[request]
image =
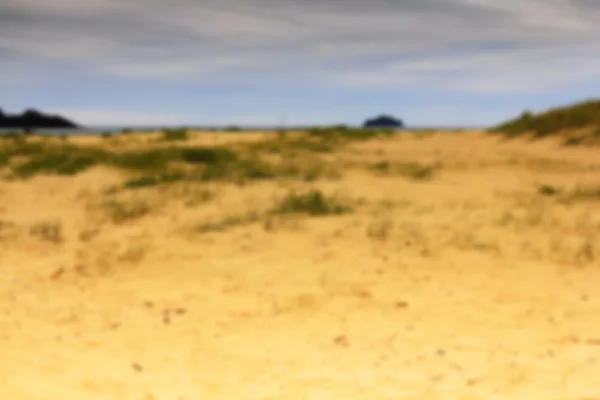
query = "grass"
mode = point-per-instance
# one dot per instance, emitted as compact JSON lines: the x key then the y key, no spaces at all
{"x":89,"y":233}
{"x":157,"y":165}
{"x":413,"y":171}
{"x":585,"y":193}
{"x":341,"y":133}
{"x":228,"y":222}
{"x":287,"y":145}
{"x":120,"y":211}
{"x":4,"y":158}
{"x":576,"y":116}
{"x":62,"y":160}
{"x":175,"y":134}
{"x":149,"y":180}
{"x":579,"y":193}
{"x":379,"y":230}
{"x":145,"y":160}
{"x":313,"y":203}
{"x":49,"y":231}
{"x":548,"y":190}
{"x":207,"y":155}
{"x":199,"y":197}
{"x":70,"y":159}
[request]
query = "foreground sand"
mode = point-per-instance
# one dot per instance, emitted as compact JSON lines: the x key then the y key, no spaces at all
{"x":467,"y":286}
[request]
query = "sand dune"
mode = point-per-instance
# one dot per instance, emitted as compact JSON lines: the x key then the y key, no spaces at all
{"x":469,"y":285}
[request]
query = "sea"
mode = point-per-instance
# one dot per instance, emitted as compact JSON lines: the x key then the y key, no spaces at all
{"x":95,"y":130}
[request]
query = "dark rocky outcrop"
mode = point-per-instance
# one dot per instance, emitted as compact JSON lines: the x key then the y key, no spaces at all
{"x":32,"y":119}
{"x":383,"y":121}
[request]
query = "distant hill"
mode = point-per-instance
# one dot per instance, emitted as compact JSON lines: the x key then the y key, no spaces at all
{"x":578,"y":123}
{"x":32,"y":119}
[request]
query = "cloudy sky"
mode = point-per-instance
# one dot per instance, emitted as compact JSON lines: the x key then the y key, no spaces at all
{"x":430,"y":62}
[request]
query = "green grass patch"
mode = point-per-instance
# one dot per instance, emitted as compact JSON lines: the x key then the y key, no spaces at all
{"x":180,"y":134}
{"x":146,"y":160}
{"x":548,"y":190}
{"x":162,"y":164}
{"x":285,"y":146}
{"x":344,"y":133}
{"x":580,"y":115}
{"x":313,"y":203}
{"x":63,"y":160}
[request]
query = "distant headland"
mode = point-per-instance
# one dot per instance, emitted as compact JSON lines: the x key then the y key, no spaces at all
{"x":32,"y":119}
{"x":383,"y":121}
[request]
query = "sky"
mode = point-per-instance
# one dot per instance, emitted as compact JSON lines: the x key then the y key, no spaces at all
{"x":296,"y":62}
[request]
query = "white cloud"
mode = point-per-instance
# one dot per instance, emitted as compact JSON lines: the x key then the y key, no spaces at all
{"x":513,"y":70}
{"x":375,"y":42}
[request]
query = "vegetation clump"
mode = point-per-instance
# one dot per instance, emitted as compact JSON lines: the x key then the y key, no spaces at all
{"x":583,"y":115}
{"x":313,"y":203}
{"x":175,"y":134}
{"x":342,"y":133}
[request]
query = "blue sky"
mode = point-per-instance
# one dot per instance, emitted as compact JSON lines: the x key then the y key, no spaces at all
{"x":261,"y":62}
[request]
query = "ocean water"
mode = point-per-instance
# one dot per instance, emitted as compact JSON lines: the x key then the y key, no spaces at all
{"x":117,"y":129}
{"x":150,"y":128}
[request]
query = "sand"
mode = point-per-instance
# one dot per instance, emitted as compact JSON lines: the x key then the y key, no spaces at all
{"x":470,"y":285}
